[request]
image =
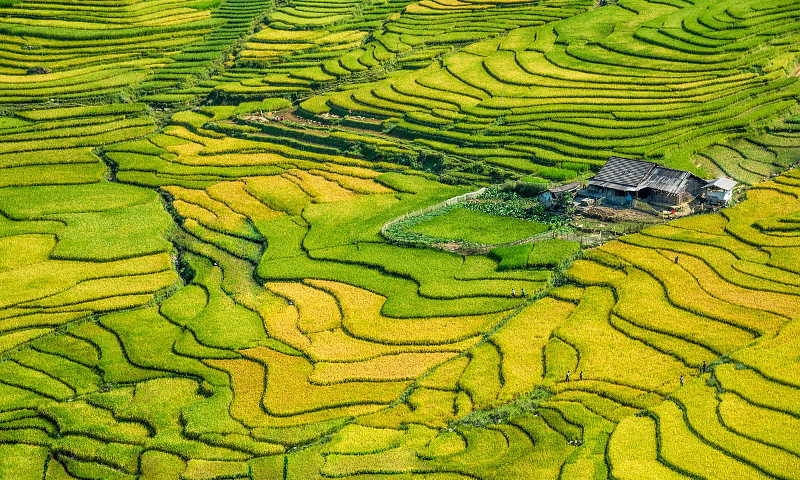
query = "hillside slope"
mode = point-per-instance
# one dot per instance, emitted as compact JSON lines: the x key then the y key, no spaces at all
{"x":205,"y":293}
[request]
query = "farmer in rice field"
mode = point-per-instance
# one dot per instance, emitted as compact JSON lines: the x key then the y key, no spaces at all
{"x":566,"y":379}
{"x":683,"y":380}
{"x":523,"y":293}
{"x":513,"y":293}
{"x":676,"y":259}
{"x":580,"y":375}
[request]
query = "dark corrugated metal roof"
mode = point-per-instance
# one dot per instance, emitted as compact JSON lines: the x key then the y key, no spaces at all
{"x":666,"y":180}
{"x":622,"y":174}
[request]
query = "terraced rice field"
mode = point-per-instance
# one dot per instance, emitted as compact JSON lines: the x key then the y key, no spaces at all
{"x":204,"y":293}
{"x":102,"y":50}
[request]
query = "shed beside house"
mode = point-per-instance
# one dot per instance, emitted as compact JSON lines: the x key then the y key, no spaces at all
{"x":552,"y":196}
{"x":719,"y":191}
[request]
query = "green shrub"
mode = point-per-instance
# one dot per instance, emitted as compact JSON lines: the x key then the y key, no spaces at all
{"x":525,"y":188}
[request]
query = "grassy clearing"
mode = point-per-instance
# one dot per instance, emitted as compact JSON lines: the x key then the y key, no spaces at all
{"x":466,"y":225}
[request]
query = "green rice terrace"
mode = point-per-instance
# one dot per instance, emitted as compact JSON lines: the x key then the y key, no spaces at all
{"x":301,"y":239}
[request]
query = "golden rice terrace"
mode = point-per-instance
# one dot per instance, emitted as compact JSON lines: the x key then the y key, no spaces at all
{"x":239,"y":239}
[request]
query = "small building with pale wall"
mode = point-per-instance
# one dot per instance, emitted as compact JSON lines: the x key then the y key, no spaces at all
{"x":719,"y":191}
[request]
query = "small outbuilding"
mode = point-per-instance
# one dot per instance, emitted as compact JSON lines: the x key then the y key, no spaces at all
{"x":554,"y":195}
{"x":719,"y":191}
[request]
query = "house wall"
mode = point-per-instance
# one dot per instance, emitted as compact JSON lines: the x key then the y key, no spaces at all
{"x":719,"y":196}
{"x":609,"y":196}
{"x":616,"y":197}
{"x":656,"y":196}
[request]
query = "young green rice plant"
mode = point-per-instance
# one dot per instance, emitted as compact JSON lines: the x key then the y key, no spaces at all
{"x":522,"y":342}
{"x":482,"y":379}
{"x":78,"y":377}
{"x":361,"y":309}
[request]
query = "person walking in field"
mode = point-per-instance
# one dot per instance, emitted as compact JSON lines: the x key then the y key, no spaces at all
{"x":513,"y":293}
{"x":566,"y":379}
{"x":580,"y":375}
{"x":676,"y":259}
{"x":523,"y":293}
{"x":682,"y":380}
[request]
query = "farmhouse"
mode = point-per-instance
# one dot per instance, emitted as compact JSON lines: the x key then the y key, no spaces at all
{"x":622,"y":180}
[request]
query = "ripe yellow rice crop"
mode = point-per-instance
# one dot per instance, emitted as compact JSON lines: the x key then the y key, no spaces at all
{"x":402,"y":366}
{"x":362,"y":319}
{"x":317,"y":310}
{"x":289,"y":391}
{"x":633,"y":452}
{"x":317,"y":187}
